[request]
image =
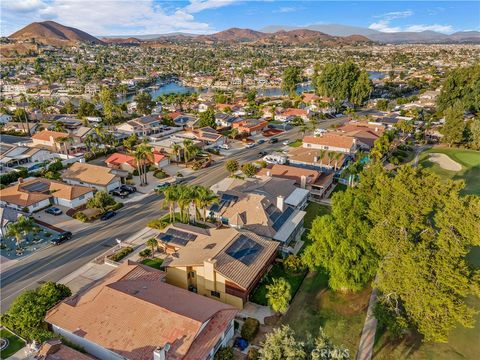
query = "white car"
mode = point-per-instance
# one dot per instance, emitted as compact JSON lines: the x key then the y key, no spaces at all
{"x":224,"y":146}
{"x":249,"y":146}
{"x":286,"y":142}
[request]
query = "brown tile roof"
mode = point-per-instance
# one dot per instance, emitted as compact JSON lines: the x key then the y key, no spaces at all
{"x":90,"y":174}
{"x":45,"y":135}
{"x":290,"y":172}
{"x":330,"y":139}
{"x":308,"y":156}
{"x":55,"y":350}
{"x":133,"y":311}
{"x":212,"y":244}
{"x":20,"y":194}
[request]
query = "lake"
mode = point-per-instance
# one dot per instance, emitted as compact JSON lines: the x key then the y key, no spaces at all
{"x":177,"y":87}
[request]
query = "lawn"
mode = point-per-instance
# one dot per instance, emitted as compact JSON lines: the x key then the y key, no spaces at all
{"x":470,"y":161}
{"x":14,"y":343}
{"x":339,"y":187}
{"x":462,"y":343}
{"x":277,"y":271}
{"x":341,"y":315}
{"x":296,"y":143}
{"x":313,"y":210}
{"x":154,"y":263}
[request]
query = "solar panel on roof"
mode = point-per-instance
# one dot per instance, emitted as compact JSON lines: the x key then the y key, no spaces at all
{"x":182,"y":234}
{"x":245,"y":249}
{"x":225,"y":201}
{"x":177,"y":237}
{"x":282,"y":218}
{"x":36,"y":187}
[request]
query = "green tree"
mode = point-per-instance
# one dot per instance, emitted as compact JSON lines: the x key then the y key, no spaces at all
{"x":143,"y":156}
{"x":280,"y":344}
{"x":362,"y":89}
{"x":475,"y":134}
{"x":107,"y":99}
{"x":232,"y":166}
{"x":291,"y":77}
{"x":454,"y":128}
{"x":279,"y":295}
{"x":461,"y":85}
{"x":27,"y":312}
{"x":144,"y":103}
{"x":130,"y":142}
{"x":152,"y":244}
{"x":101,"y":200}
{"x":19,"y":228}
{"x":323,"y":349}
{"x":207,"y":118}
{"x":249,"y":169}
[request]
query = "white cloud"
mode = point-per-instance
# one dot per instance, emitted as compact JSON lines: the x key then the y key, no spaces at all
{"x":112,"y":17}
{"x":196,"y":6}
{"x":384,"y":24}
{"x":434,"y":27}
{"x":285,"y":9}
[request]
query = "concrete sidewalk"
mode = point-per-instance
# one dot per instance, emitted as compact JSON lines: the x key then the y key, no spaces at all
{"x":93,"y":271}
{"x":367,"y":340}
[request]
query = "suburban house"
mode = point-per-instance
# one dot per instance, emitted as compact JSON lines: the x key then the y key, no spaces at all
{"x":142,"y":126}
{"x":129,"y":163}
{"x":318,"y":183}
{"x":209,"y":136}
{"x":223,"y":264}
{"x":225,"y":120}
{"x":38,"y":193}
{"x":250,"y":126}
{"x":290,"y":114}
{"x":267,"y":206}
{"x":312,"y":158}
{"x":331,"y":141}
{"x":365,"y":134}
{"x":26,"y":128}
{"x":100,"y":177}
{"x":52,"y":140}
{"x":55,"y":350}
{"x":182,"y":120}
{"x":7,"y":216}
{"x":12,"y":156}
{"x":132,"y":313}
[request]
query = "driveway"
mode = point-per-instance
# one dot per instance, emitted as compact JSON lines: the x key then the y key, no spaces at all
{"x":62,"y":221}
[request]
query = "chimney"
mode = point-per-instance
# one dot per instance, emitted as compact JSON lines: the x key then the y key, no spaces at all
{"x":160,"y":353}
{"x":280,"y":202}
{"x":315,"y":159}
{"x":303,"y":181}
{"x":20,"y":180}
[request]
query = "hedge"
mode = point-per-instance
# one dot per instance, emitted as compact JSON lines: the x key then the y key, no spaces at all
{"x":119,"y":255}
{"x":250,"y":329}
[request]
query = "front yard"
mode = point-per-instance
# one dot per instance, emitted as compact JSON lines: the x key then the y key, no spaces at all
{"x":155,"y":263}
{"x":10,"y":343}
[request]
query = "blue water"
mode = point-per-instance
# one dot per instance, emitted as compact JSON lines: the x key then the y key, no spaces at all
{"x":177,"y":87}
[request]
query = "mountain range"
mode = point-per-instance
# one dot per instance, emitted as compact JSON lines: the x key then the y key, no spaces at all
{"x":52,"y":33}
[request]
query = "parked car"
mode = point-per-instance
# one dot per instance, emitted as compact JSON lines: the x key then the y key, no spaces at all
{"x":54,"y":211}
{"x":162,"y":186}
{"x":62,"y":237}
{"x":286,"y":142}
{"x":225,"y":146}
{"x":130,"y":188}
{"x":249,"y":146}
{"x":261,"y":141}
{"x":120,"y":192}
{"x":108,"y":215}
{"x":262,"y":153}
{"x":273,"y":140}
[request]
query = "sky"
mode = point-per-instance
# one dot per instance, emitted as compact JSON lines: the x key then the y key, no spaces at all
{"x":137,"y":17}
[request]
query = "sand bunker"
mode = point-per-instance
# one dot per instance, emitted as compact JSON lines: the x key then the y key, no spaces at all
{"x":445,"y":162}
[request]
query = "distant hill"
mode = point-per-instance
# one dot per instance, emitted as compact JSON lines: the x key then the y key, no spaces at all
{"x":52,"y":33}
{"x":282,"y":37}
{"x":424,"y":37}
{"x":122,"y":41}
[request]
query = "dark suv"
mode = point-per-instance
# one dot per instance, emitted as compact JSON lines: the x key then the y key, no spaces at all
{"x":62,"y":237}
{"x":120,"y":192}
{"x":273,"y":140}
{"x":130,"y":188}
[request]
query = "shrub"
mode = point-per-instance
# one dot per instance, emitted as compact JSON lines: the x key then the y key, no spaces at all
{"x":135,"y":172}
{"x":158,"y":224}
{"x":261,"y":163}
{"x":145,"y":253}
{"x":225,"y":353}
{"x":12,"y":176}
{"x":116,"y":206}
{"x":80,"y":216}
{"x":250,"y":329}
{"x":152,"y":168}
{"x":252,"y":354}
{"x":249,"y":169}
{"x":160,"y":174}
{"x":55,"y":165}
{"x":119,"y":255}
{"x":293,"y":264}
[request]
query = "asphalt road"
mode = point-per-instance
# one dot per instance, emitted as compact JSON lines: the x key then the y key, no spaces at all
{"x":54,"y":263}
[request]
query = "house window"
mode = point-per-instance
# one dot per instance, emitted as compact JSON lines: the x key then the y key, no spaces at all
{"x":81,"y":197}
{"x":35,"y":205}
{"x":215,"y":293}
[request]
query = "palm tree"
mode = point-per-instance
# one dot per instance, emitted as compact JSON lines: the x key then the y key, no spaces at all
{"x":187,"y":146}
{"x":329,"y":157}
{"x":176,"y":150}
{"x":205,"y":197}
{"x":336,"y":156}
{"x":143,"y":154}
{"x":58,"y":126}
{"x":19,"y":228}
{"x":63,"y":141}
{"x":183,"y":201}
{"x":171,"y":197}
{"x":153,"y":244}
{"x":321,"y":155}
{"x":234,"y":133}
